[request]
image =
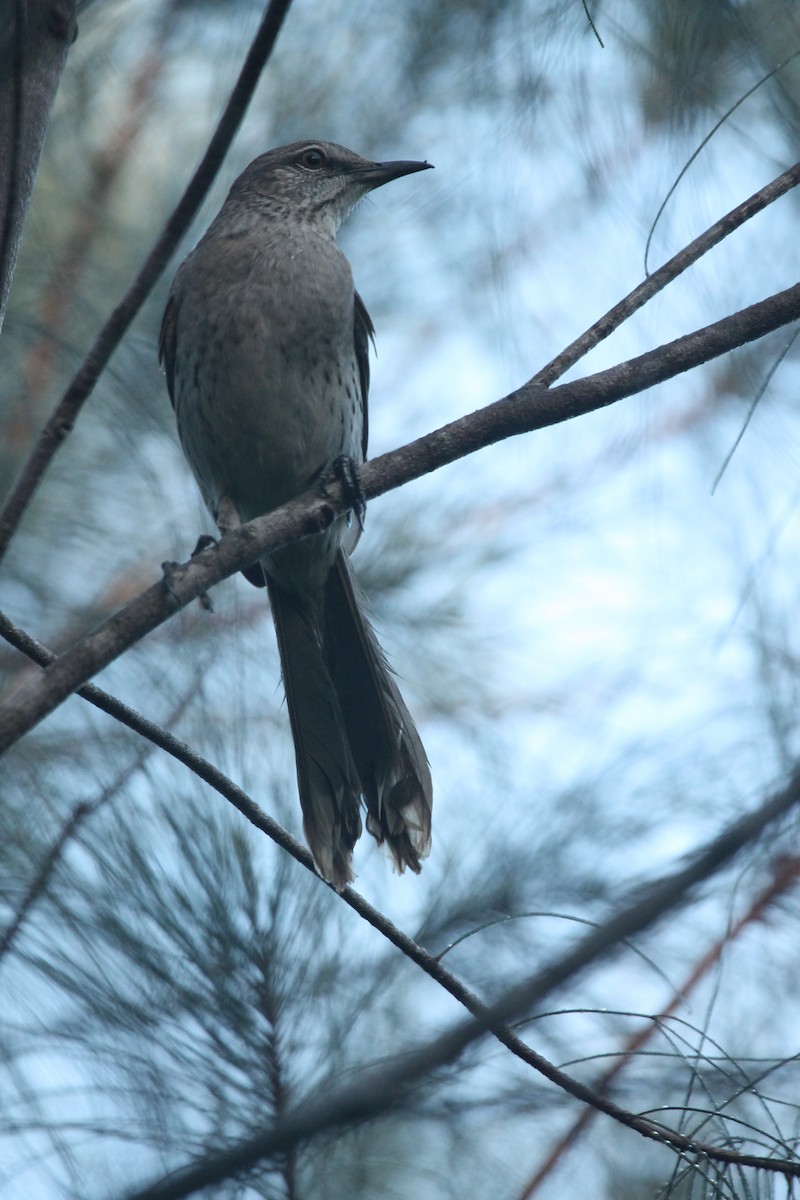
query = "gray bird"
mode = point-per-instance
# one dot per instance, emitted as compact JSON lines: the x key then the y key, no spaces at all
{"x":265,"y":345}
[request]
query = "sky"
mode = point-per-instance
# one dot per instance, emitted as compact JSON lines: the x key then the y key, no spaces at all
{"x":614,"y":636}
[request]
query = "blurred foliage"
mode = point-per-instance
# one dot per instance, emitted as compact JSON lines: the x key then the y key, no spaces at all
{"x":603,"y":660}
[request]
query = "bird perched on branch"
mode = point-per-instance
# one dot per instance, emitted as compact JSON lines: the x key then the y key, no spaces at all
{"x":265,"y":344}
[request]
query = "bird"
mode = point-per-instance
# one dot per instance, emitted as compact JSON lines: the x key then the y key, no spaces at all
{"x":265,"y":346}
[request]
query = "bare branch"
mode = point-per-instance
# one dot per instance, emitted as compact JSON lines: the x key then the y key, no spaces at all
{"x":63,"y":418}
{"x":530,"y":407}
{"x":715,"y":857}
{"x":159,"y":736}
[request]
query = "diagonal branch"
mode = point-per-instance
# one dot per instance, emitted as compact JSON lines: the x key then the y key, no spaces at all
{"x":530,"y":407}
{"x":63,"y":418}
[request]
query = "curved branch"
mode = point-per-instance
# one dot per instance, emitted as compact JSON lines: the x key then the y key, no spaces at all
{"x":712,"y":859}
{"x":531,"y":407}
{"x":786,"y":871}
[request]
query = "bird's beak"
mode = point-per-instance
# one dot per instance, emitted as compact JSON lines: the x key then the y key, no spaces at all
{"x":376,"y":174}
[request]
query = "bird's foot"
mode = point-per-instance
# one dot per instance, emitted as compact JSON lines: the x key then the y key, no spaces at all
{"x":204,"y":542}
{"x":169,"y":570}
{"x":345,"y":471}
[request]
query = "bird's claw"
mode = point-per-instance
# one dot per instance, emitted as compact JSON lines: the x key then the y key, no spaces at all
{"x":204,"y":542}
{"x":344,"y":469}
{"x":169,"y":570}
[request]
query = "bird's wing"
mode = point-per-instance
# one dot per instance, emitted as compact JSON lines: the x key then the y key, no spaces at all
{"x":364,"y":332}
{"x":166,"y":344}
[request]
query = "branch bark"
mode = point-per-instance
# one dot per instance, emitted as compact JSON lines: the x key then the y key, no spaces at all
{"x":665,"y":274}
{"x":715,"y":857}
{"x":530,"y":407}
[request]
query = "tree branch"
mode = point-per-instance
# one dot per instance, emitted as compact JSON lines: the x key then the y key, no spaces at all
{"x":63,"y":418}
{"x":530,"y":407}
{"x":746,"y":830}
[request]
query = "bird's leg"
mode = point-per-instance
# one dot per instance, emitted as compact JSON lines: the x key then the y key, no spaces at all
{"x":345,"y":471}
{"x":227,"y":518}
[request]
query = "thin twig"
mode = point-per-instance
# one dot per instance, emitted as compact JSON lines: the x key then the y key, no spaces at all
{"x":670,"y":270}
{"x":751,"y":410}
{"x":714,"y":129}
{"x":63,"y":418}
{"x":785,"y":876}
{"x":592,"y":25}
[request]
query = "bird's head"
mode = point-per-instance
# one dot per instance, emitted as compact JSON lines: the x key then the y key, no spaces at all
{"x":316,"y":182}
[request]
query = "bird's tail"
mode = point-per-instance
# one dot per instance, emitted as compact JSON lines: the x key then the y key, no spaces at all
{"x":385,"y":746}
{"x":326,"y":775}
{"x":352,"y":732}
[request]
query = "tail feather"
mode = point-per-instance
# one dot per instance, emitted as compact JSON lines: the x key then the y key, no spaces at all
{"x":384,"y":743}
{"x":326,"y":774}
{"x":353,"y":734}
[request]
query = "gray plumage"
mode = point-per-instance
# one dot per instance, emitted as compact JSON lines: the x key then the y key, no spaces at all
{"x":265,"y":345}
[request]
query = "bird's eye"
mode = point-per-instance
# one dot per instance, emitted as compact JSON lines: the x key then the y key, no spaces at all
{"x":312,"y":158}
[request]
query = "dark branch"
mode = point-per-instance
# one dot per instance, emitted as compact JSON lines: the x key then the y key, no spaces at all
{"x":530,"y":407}
{"x":427,"y":962}
{"x":751,"y":828}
